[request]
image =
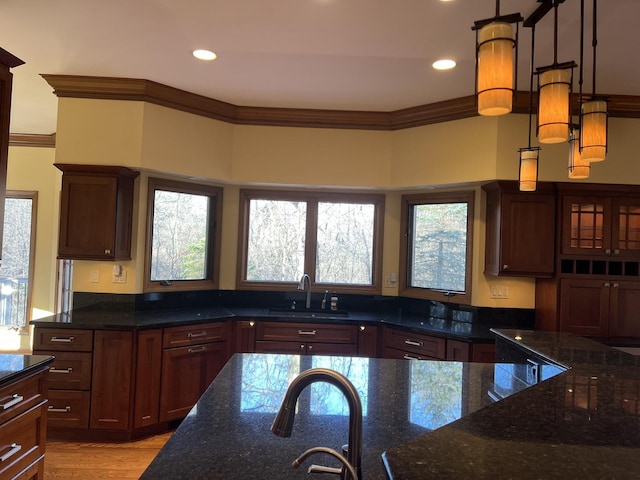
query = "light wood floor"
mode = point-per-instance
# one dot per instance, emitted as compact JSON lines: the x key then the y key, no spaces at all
{"x":88,"y":461}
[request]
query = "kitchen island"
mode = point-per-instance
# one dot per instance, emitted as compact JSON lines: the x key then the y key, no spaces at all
{"x":227,"y":434}
{"x":426,"y":419}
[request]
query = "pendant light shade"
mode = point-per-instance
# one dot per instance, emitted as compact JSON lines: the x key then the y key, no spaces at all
{"x":528,"y":178}
{"x":579,"y":168}
{"x":495,"y":57}
{"x":593,"y":139}
{"x":554,"y":89}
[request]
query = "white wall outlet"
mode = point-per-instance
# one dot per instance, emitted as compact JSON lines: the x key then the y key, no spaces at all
{"x":390,"y":279}
{"x":119,"y":274}
{"x":94,"y":277}
{"x":499,"y":291}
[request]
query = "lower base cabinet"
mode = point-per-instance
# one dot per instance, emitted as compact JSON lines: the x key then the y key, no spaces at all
{"x":23,"y":427}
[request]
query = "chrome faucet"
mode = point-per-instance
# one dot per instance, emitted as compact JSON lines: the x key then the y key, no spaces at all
{"x":283,"y":423}
{"x":306,"y":278}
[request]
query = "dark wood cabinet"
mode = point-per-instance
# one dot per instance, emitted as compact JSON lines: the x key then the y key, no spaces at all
{"x":306,"y":338}
{"x":23,"y":427}
{"x":7,"y":61}
{"x":192,"y":357}
{"x":521,"y":236}
{"x":148,"y":368}
{"x":412,"y":345}
{"x":96,"y":212}
{"x":111,"y":380}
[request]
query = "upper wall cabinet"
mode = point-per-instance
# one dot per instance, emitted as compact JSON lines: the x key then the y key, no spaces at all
{"x":601,"y":223}
{"x":520,"y":230}
{"x":96,"y":212}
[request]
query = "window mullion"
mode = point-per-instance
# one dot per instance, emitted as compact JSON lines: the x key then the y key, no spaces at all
{"x":311,"y":240}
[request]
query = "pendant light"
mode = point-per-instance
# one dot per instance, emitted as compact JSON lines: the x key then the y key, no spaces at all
{"x":528,"y":174}
{"x":554,"y":93}
{"x":495,"y":62}
{"x":593,"y":113}
{"x":579,"y":168}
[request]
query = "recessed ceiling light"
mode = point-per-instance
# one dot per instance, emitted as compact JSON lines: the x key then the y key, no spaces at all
{"x":444,"y":64}
{"x":204,"y":55}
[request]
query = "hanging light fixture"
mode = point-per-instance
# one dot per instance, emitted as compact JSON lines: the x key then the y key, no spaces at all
{"x":579,"y":168}
{"x":528,"y":175}
{"x":594,"y":118}
{"x":495,"y":64}
{"x":554,"y":93}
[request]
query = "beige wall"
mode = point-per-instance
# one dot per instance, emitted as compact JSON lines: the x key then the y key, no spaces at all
{"x":162,"y":141}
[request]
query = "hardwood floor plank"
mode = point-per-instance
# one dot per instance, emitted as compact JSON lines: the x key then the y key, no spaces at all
{"x":86,"y":461}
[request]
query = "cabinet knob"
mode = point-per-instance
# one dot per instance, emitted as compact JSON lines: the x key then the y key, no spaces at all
{"x":362,"y":328}
{"x":616,"y":251}
{"x":607,"y":251}
{"x":107,"y":252}
{"x":616,"y":284}
{"x":505,"y":267}
{"x":607,"y":284}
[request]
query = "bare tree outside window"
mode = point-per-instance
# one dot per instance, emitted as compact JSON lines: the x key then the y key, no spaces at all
{"x":19,"y":229}
{"x":345,"y":243}
{"x":183,"y":241}
{"x":276,"y":240}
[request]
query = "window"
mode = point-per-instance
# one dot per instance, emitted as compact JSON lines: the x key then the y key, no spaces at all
{"x":436,"y":249}
{"x":335,"y":238}
{"x":17,"y":259}
{"x":183,"y":241}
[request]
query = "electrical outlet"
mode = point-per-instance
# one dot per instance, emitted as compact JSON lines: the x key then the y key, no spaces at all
{"x":121,"y":278}
{"x":499,"y":291}
{"x":94,"y":276}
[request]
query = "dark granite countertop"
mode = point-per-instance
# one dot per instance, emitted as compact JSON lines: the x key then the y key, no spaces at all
{"x":114,"y":317}
{"x":583,"y":423}
{"x":15,"y":366}
{"x":227,"y":434}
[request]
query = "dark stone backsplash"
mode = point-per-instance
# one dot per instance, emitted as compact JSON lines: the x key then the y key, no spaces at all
{"x":449,"y":312}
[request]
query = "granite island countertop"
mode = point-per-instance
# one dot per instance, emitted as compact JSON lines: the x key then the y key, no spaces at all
{"x":15,"y":366}
{"x":227,"y":434}
{"x":583,"y":423}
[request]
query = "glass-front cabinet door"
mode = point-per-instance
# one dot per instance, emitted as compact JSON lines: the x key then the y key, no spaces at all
{"x":586,"y":225}
{"x":626,"y":234}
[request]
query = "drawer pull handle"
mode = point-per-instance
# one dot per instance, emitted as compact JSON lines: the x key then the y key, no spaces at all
{"x":15,"y":448}
{"x":62,"y":339}
{"x":195,"y":335}
{"x":197,"y":350}
{"x":61,"y":370}
{"x":15,"y":399}
{"x":410,"y":357}
{"x":66,"y":409}
{"x":413,"y":343}
{"x":307,"y":332}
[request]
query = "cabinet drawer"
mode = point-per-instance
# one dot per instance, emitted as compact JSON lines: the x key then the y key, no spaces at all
{"x":18,"y":397}
{"x":68,"y":409}
{"x":306,"y":332}
{"x":195,"y":334}
{"x":22,"y":441}
{"x":63,"y":339}
{"x":422,"y":345}
{"x":70,"y":371}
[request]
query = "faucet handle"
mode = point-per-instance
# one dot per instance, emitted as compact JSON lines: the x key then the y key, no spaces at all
{"x":322,"y":469}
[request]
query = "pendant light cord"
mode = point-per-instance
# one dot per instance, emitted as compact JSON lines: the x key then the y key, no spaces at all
{"x":594,"y":42}
{"x":533,"y":43}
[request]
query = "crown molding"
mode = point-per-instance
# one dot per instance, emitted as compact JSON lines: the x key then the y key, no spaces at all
{"x":32,"y":140}
{"x":625,"y":106}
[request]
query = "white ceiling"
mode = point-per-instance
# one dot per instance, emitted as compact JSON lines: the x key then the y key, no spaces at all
{"x":328,"y":54}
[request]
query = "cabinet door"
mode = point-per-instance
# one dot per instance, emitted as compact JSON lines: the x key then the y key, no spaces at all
{"x":186,"y":374}
{"x":584,"y":307}
{"x":586,"y":225}
{"x":624,"y":308}
{"x":458,"y":351}
{"x":146,"y":405}
{"x":520,"y":234}
{"x":625,"y":231}
{"x":111,"y":380}
{"x":88,"y":217}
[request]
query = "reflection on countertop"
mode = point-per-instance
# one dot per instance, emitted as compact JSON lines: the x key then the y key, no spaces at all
{"x":227,"y":434}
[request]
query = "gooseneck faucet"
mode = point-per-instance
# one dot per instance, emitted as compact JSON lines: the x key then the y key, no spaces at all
{"x":283,"y":423}
{"x":307,"y":279}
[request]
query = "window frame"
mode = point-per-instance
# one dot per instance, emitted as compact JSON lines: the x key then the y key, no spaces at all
{"x":312,"y":198}
{"x":214,"y":234}
{"x":409,"y":201}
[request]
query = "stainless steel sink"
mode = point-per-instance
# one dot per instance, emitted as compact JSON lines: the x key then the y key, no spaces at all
{"x":308,"y":313}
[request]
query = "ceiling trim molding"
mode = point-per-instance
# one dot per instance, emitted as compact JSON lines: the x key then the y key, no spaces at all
{"x":32,"y":140}
{"x":110,"y":88}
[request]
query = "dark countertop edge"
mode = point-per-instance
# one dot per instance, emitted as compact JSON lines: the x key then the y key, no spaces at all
{"x":506,"y":334}
{"x":153,"y":319}
{"x":40,"y":362}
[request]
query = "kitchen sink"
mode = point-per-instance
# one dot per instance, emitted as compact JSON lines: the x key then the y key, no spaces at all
{"x":308,"y":313}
